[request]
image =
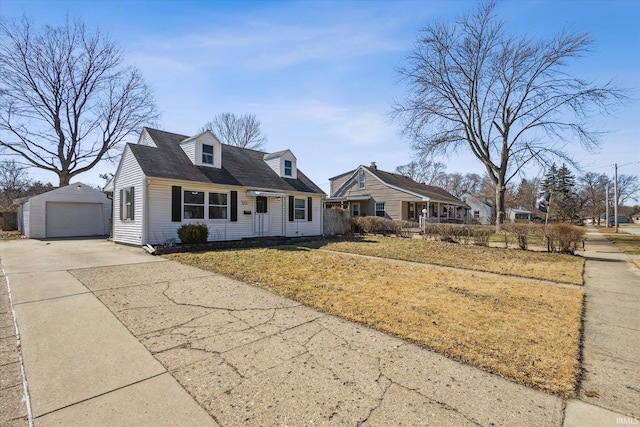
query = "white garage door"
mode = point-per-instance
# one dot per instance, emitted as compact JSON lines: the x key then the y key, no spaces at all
{"x":74,"y":219}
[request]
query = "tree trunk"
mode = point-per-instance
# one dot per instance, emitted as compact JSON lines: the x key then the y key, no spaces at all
{"x":64,"y":177}
{"x":500,"y":213}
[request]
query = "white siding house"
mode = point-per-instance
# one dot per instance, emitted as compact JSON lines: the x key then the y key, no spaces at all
{"x":479,"y":212}
{"x":75,"y":210}
{"x":167,"y":180}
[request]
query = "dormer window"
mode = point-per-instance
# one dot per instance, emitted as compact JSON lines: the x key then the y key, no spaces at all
{"x":203,"y":150}
{"x":283,"y":163}
{"x":207,"y":154}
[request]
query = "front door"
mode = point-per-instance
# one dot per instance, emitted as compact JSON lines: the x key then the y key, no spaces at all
{"x":261,"y":218}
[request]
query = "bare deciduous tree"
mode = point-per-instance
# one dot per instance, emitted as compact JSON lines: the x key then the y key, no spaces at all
{"x":66,"y":97}
{"x":592,"y":191}
{"x":14,"y":180}
{"x":422,"y":170}
{"x":628,"y":188}
{"x":509,"y":100}
{"x":459,"y":184}
{"x":242,"y":131}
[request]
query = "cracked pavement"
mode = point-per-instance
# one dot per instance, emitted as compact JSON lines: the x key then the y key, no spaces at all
{"x":249,"y":357}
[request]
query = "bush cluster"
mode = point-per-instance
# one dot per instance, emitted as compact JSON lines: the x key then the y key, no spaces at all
{"x":521,"y":232}
{"x":379,"y":225}
{"x":563,"y":237}
{"x":193,"y":233}
{"x":461,"y":233}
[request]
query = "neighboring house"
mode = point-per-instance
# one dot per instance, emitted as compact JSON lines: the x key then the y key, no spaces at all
{"x":75,"y":210}
{"x":370,"y":191}
{"x":167,"y":180}
{"x":519,"y":214}
{"x":479,"y":212}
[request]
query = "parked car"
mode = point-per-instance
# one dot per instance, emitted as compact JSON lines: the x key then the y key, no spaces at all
{"x":621,"y":220}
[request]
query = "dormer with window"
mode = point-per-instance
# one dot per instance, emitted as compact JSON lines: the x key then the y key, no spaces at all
{"x":283,"y":163}
{"x":203,"y":150}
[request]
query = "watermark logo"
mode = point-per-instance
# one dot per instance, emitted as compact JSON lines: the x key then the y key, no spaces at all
{"x":626,"y":421}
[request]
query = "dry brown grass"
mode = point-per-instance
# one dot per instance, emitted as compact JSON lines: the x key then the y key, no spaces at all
{"x":626,"y":242}
{"x":536,"y":265}
{"x":526,"y":331}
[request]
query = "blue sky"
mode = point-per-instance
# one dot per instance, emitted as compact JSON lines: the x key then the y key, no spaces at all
{"x":321,"y":75}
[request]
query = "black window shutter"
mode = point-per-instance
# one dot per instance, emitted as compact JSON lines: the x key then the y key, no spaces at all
{"x":309,"y":209}
{"x":176,"y":203}
{"x":121,"y":204}
{"x":132,"y":204}
{"x":234,"y":206}
{"x":291,"y":204}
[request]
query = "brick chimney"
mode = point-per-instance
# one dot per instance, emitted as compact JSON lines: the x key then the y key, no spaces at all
{"x":373,"y":166}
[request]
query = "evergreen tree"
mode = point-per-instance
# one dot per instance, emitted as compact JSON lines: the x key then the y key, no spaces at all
{"x":550,"y":181}
{"x":565,"y":203}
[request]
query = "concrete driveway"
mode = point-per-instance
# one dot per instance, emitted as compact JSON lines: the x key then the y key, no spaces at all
{"x":112,"y":336}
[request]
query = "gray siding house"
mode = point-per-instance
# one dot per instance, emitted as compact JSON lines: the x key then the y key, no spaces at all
{"x":167,"y":180}
{"x":370,"y":191}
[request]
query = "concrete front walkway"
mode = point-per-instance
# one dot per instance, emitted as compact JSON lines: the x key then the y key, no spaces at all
{"x":112,"y":336}
{"x":610,"y":388}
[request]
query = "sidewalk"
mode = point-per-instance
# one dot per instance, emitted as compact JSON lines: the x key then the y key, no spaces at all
{"x":610,"y":389}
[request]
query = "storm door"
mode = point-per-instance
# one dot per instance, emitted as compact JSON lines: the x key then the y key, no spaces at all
{"x":261,"y":218}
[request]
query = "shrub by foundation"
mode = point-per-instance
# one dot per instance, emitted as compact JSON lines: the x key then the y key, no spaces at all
{"x":193,"y":233}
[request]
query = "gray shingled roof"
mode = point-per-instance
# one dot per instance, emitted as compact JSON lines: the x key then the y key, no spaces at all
{"x":240,"y":166}
{"x":400,"y":181}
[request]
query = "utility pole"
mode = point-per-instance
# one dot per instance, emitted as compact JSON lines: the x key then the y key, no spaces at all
{"x":606,"y":214}
{"x":615,"y":196}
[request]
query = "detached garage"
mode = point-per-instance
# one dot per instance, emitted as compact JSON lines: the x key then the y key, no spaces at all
{"x":76,"y":210}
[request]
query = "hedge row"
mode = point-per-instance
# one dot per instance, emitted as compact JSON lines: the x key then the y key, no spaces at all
{"x":561,"y":237}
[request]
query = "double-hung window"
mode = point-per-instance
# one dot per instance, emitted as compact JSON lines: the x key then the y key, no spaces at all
{"x":300,"y":209}
{"x":217,"y":205}
{"x":204,"y":205}
{"x":380,"y":209}
{"x":288,"y":167}
{"x":360,"y":182}
{"x":193,"y":205}
{"x":207,"y":154}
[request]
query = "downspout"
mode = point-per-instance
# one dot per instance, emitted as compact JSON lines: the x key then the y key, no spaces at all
{"x":322,"y":209}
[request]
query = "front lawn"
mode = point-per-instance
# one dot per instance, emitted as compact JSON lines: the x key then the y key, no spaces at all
{"x":536,"y":265}
{"x":526,"y":331}
{"x":626,"y":242}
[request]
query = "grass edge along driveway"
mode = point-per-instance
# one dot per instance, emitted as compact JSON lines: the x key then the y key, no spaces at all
{"x":525,"y":331}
